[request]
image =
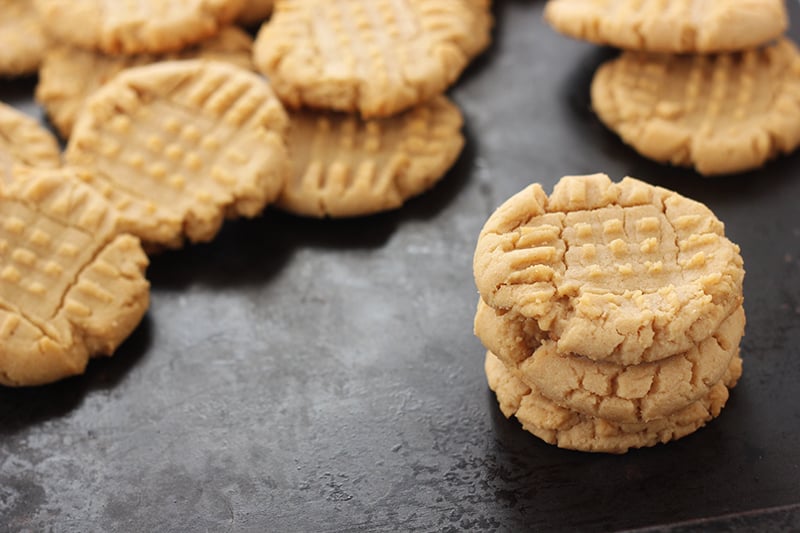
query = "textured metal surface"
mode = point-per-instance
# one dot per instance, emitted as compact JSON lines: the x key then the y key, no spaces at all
{"x":301,"y":375}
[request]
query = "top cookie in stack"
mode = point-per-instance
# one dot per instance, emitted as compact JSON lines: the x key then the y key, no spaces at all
{"x":364,"y":82}
{"x":728,"y":107}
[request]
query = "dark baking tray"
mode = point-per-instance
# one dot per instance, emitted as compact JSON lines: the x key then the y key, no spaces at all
{"x":300,"y":375}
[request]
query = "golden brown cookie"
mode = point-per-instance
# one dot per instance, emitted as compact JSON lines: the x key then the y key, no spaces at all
{"x":347,"y":166}
{"x":568,"y":429}
{"x":144,"y":26}
{"x":636,"y":393}
{"x":71,"y":286}
{"x":22,"y":37}
{"x":177,"y":146}
{"x":619,"y":272}
{"x":721,"y":114}
{"x":23,"y":141}
{"x":69,"y":74}
{"x":670,"y":26}
{"x":255,"y":11}
{"x":378,"y":58}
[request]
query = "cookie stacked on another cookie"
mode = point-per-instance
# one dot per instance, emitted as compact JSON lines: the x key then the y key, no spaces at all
{"x":727,"y":105}
{"x":612,"y":312}
{"x":363,"y":81}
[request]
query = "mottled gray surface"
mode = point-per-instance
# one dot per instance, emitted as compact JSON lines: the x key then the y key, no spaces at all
{"x":301,"y":375}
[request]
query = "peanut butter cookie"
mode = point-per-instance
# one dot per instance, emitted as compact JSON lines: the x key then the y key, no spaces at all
{"x":721,"y":114}
{"x":626,"y":394}
{"x":344,"y":165}
{"x":69,"y":75}
{"x":179,"y":145}
{"x":143,"y":26}
{"x":568,"y":429}
{"x":71,"y":286}
{"x":619,"y":272}
{"x":377,"y":58}
{"x":675,"y":26}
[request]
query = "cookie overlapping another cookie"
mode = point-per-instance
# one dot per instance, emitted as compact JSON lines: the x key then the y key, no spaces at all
{"x":72,"y":285}
{"x":377,"y":58}
{"x":364,"y":84}
{"x":686,"y":26}
{"x":178,"y":146}
{"x":711,"y":85}
{"x":620,"y":302}
{"x":69,"y":75}
{"x":721,"y":114}
{"x":144,"y":26}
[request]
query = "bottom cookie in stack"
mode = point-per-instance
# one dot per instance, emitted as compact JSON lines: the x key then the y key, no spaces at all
{"x":570,"y":429}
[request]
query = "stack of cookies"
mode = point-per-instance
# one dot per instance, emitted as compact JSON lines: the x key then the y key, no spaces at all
{"x":612,"y":312}
{"x":706,"y":84}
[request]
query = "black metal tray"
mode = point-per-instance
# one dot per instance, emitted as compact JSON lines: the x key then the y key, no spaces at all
{"x":300,"y":375}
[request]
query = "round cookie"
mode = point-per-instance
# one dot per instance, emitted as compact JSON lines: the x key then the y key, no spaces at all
{"x":177,"y":146}
{"x":620,"y":272}
{"x":721,"y":114}
{"x":23,"y":141}
{"x":567,"y":429}
{"x":692,"y":26}
{"x":630,"y":394}
{"x":344,"y":165}
{"x":71,"y":286}
{"x":69,"y":74}
{"x":144,"y":26}
{"x":378,"y":58}
{"x":23,"y":38}
{"x":255,"y":11}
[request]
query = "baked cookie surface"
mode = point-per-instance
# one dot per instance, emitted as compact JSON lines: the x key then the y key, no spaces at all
{"x":721,"y":114}
{"x":177,"y":146}
{"x":22,"y":37}
{"x":620,"y":272}
{"x":565,"y":428}
{"x":376,"y":58}
{"x":682,"y":26}
{"x":347,"y":166}
{"x":627,"y":394}
{"x":71,"y":286}
{"x":144,"y":26}
{"x":23,"y":141}
{"x":69,"y":75}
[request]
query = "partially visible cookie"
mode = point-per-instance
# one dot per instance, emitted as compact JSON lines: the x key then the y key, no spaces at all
{"x":568,"y":429}
{"x":620,"y":272}
{"x":659,"y":26}
{"x":144,"y":26}
{"x":377,"y":58}
{"x":71,"y":286}
{"x":347,"y":166}
{"x":721,"y":114}
{"x":255,"y":11}
{"x":177,"y":146}
{"x":629,"y":394}
{"x":23,"y":141}
{"x":69,"y":74}
{"x":22,"y":37}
